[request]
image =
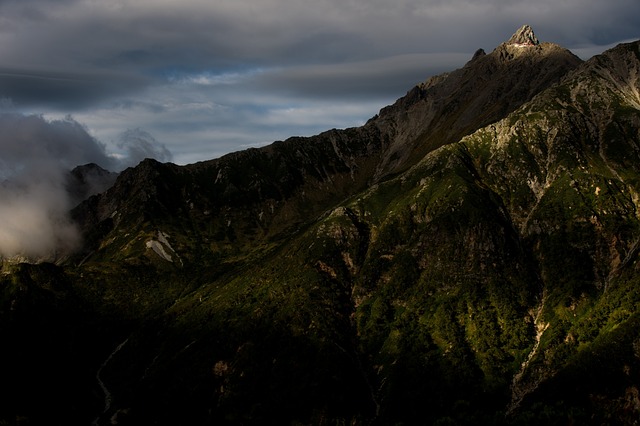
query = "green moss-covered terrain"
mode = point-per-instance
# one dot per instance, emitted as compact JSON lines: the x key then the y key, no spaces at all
{"x":469,"y":256}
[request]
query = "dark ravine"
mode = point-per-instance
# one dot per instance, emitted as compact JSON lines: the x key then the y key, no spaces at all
{"x":469,"y":256}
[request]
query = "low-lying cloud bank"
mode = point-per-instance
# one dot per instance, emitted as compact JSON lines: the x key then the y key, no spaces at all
{"x":36,"y":157}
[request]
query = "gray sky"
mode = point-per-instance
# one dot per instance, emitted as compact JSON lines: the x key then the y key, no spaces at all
{"x":202,"y":78}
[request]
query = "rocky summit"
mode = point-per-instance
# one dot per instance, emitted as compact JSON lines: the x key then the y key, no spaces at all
{"x":524,"y":37}
{"x":468,"y":256}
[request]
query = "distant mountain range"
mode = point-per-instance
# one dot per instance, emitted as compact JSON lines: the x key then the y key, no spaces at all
{"x":468,"y":256}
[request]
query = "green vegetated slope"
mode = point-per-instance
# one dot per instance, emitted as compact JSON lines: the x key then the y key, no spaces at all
{"x":507,"y":262}
{"x":358,"y":277}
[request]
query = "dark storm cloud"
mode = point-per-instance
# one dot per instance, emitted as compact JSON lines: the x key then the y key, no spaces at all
{"x":31,"y":139}
{"x":373,"y":79}
{"x":219,"y":72}
{"x":142,"y":36}
{"x":69,"y":91}
{"x":31,"y":142}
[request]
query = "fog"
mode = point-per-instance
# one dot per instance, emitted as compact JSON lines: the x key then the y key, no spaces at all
{"x":33,"y":216}
{"x":36,"y":156}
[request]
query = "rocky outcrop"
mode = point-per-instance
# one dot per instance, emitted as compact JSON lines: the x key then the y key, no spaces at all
{"x":524,"y":37}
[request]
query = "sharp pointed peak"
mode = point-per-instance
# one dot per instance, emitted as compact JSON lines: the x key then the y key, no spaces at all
{"x":524,"y":37}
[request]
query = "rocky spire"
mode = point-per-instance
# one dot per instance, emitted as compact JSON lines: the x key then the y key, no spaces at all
{"x":524,"y":37}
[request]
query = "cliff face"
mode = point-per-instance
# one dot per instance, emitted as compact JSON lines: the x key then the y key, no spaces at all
{"x":468,"y":256}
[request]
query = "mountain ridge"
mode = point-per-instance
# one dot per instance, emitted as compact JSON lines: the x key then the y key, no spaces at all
{"x":339,"y":163}
{"x":474,"y":246}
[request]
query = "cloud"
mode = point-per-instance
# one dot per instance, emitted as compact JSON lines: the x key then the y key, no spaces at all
{"x":37,"y":155}
{"x":204,"y":115}
{"x":371,"y":79}
{"x":199,"y":74}
{"x":66,"y":90}
{"x":139,"y":144}
{"x":29,"y":140}
{"x":145,"y":37}
{"x":33,"y":216}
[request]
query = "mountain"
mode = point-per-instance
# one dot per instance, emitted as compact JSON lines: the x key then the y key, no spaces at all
{"x":87,"y":180}
{"x":468,"y":256}
{"x":262,"y":193}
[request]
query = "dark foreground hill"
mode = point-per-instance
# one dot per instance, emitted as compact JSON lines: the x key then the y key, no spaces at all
{"x":466,"y":257}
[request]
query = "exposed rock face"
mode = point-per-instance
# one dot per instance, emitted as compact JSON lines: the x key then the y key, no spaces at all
{"x":524,"y":37}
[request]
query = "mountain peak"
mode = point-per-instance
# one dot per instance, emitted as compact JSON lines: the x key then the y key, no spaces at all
{"x":524,"y":37}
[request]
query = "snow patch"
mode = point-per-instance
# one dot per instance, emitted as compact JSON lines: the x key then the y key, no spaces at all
{"x":163,"y":238}
{"x":162,"y":247}
{"x":159,"y":249}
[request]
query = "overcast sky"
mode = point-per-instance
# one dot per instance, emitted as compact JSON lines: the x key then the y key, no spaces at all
{"x":202,"y":78}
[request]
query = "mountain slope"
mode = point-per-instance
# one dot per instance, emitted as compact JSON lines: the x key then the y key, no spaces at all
{"x":566,"y":168}
{"x":450,"y":106}
{"x":468,"y":256}
{"x":251,"y":197}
